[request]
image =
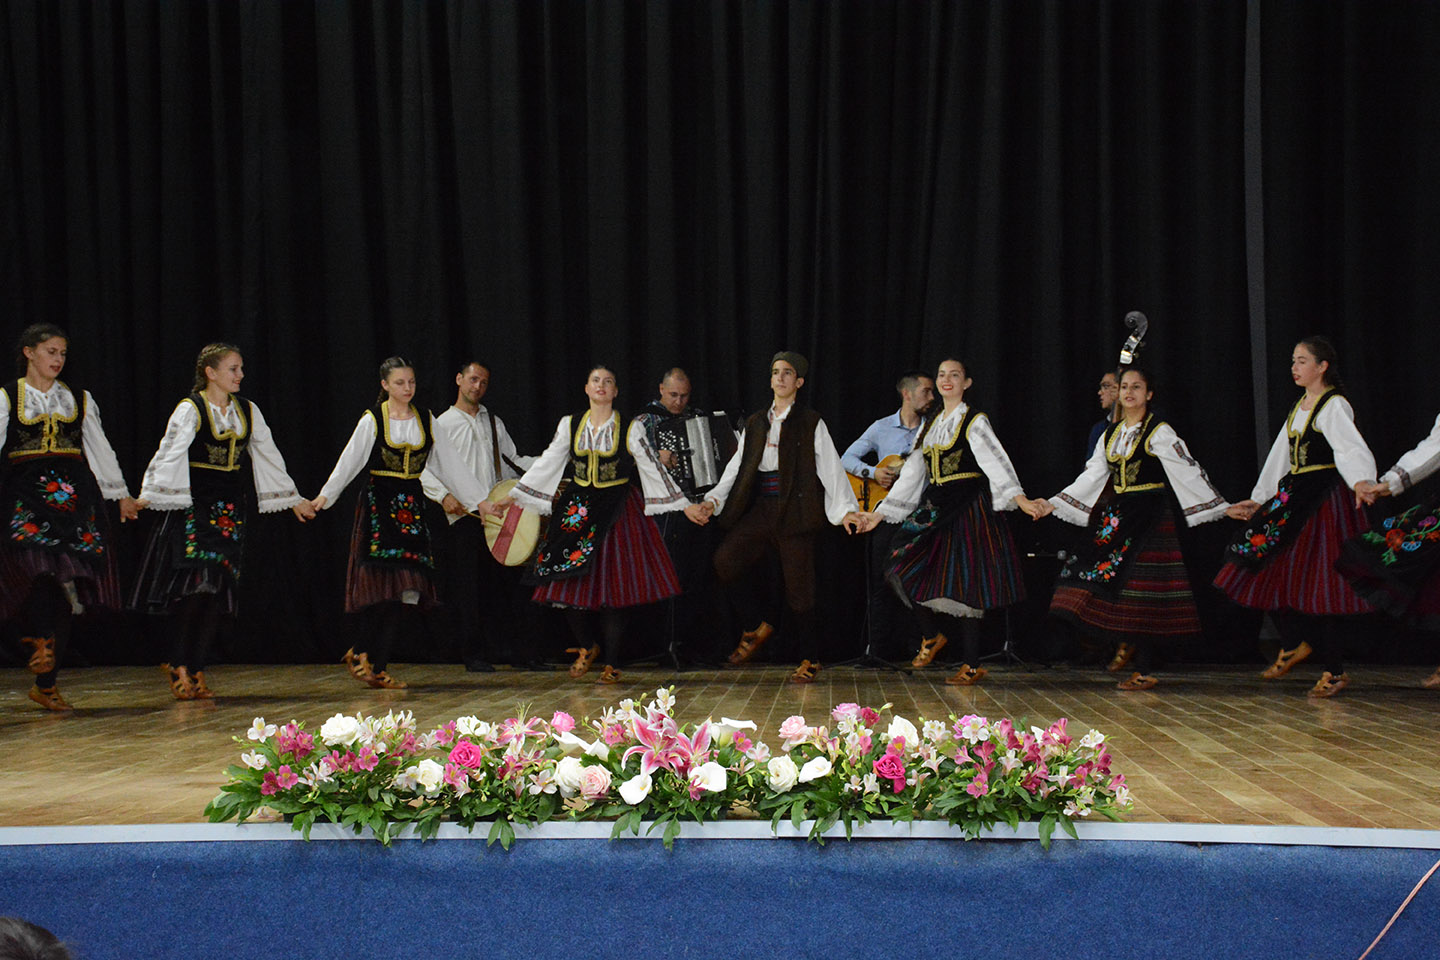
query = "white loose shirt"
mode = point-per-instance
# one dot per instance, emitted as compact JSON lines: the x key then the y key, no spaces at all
{"x":537,"y":487}
{"x":1200,"y":502}
{"x":472,"y":440}
{"x":1416,"y":464}
{"x":166,"y":485}
{"x":839,"y":495}
{"x":98,"y":453}
{"x":1337,"y":422}
{"x":990,"y":457}
{"x":443,"y":462}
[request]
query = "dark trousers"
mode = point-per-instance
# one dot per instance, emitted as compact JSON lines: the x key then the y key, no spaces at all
{"x":484,"y":596}
{"x":685,"y":622}
{"x":47,"y":614}
{"x":744,"y":545}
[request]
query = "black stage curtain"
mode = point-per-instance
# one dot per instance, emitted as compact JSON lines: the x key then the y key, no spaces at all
{"x":546,"y":184}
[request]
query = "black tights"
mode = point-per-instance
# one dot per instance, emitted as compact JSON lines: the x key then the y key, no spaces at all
{"x":1325,"y":634}
{"x":387,"y":619}
{"x":929,"y":622}
{"x":195,"y":620}
{"x":603,"y":628}
{"x":48,"y":614}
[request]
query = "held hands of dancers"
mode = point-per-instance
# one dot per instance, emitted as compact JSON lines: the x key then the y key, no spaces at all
{"x":305,"y":510}
{"x":1243,"y":510}
{"x":852,"y":521}
{"x":1034,"y":509}
{"x":130,"y":508}
{"x":865,"y":521}
{"x":1367,"y":493}
{"x":700,"y":513}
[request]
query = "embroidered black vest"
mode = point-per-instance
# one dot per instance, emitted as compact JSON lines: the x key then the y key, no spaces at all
{"x":1309,"y":450}
{"x":945,"y":457}
{"x":214,"y":449}
{"x":48,"y":435}
{"x":600,"y":468}
{"x":399,"y":460}
{"x":1140,"y":470}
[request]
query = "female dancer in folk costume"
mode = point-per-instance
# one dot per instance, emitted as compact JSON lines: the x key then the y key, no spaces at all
{"x":1396,"y":565}
{"x":602,"y":552}
{"x":392,"y":562}
{"x":1127,"y":582}
{"x":57,"y":465}
{"x":1299,"y":514}
{"x":953,"y":552}
{"x":193,"y":564}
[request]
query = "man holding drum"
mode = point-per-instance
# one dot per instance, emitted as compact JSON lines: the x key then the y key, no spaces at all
{"x":476,"y":579}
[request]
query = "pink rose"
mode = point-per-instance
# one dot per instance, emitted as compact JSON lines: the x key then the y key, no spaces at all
{"x":793,"y":728}
{"x":467,"y":755}
{"x":595,"y":783}
{"x":562,"y":722}
{"x":845,"y":711}
{"x":869,"y":716}
{"x":892,"y":768}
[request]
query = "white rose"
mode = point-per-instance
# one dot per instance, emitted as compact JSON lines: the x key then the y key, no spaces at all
{"x":819,"y":767}
{"x":340,"y":730}
{"x":467,"y":726}
{"x":567,"y":775}
{"x":429,"y":775}
{"x":636,"y":789}
{"x":900,"y":727}
{"x":709,"y":777}
{"x":781,"y":773}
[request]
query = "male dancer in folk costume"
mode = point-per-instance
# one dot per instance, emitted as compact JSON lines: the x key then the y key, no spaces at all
{"x":1300,"y":513}
{"x":1396,"y":565}
{"x":475,"y":580}
{"x":57,"y":466}
{"x":779,"y":489}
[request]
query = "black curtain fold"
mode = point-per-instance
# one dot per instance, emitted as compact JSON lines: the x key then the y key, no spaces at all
{"x":543,"y":184}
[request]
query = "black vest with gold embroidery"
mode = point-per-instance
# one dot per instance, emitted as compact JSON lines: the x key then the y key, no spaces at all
{"x":948,"y":459}
{"x":600,"y":468}
{"x":1140,"y":470}
{"x":401,"y":461}
{"x":215,"y":449}
{"x":1309,"y":450}
{"x":48,"y":435}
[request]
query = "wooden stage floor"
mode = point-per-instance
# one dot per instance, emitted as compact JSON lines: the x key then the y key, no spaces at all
{"x":1213,"y":745}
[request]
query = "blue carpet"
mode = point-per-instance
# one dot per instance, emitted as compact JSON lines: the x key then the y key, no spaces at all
{"x":722,"y":898}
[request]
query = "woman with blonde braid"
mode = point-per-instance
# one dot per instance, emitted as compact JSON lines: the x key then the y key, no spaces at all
{"x":193,"y":564}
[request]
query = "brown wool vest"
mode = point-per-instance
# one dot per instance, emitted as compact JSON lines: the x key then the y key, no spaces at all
{"x":802,"y":497}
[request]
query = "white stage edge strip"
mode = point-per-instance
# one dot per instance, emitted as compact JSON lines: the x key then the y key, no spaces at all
{"x":1192,"y":833}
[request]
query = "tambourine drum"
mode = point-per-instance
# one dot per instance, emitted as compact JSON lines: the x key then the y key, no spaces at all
{"x":513,"y":540}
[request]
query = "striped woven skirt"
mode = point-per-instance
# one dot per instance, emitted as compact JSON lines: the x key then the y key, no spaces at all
{"x":955,"y":554}
{"x":1302,"y":577}
{"x":1154,"y":598}
{"x":631,"y":566}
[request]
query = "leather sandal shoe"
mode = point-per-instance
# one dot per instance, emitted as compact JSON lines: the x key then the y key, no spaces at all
{"x":1432,"y":682}
{"x":608,"y":674}
{"x":966,"y":676}
{"x":805,"y":673}
{"x":202,"y":690}
{"x":1123,"y":655}
{"x":359,"y":666}
{"x":1328,"y":685}
{"x":1137,"y":681}
{"x":928,"y":648}
{"x":50,"y":699}
{"x":181,"y":683}
{"x":583,"y":659}
{"x":1286,"y":660}
{"x":382,"y":680}
{"x":750,"y":642}
{"x":43,"y":659}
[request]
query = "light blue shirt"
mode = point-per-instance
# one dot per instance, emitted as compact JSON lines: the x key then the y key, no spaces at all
{"x":882,"y":438}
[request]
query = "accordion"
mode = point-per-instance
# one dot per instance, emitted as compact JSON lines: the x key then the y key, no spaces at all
{"x":702,"y":443}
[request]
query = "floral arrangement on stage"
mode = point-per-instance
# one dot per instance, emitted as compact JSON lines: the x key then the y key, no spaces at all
{"x":636,"y":766}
